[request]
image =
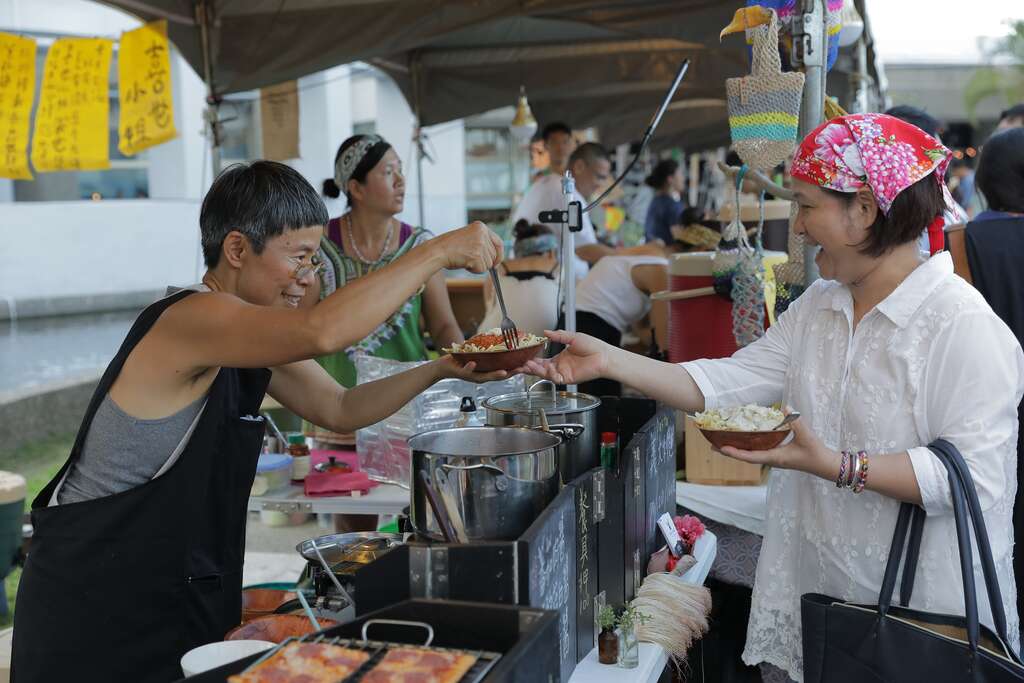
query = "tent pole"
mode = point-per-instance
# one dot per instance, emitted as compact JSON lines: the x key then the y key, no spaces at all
{"x":809,"y":50}
{"x":568,"y":257}
{"x":418,"y":137}
{"x":212,"y":100}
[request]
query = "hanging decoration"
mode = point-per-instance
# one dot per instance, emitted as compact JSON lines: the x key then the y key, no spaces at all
{"x":726,"y":256}
{"x":748,"y":284}
{"x":17,"y":91}
{"x":279,"y":113}
{"x":144,"y":86}
{"x":834,"y":16}
{"x":764,"y":107}
{"x":72,"y":129}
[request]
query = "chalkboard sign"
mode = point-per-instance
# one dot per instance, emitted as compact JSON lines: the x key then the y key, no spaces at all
{"x":551,"y":556}
{"x":661,"y":475}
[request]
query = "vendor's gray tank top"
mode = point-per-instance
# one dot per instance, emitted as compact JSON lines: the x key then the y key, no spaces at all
{"x":121,"y":452}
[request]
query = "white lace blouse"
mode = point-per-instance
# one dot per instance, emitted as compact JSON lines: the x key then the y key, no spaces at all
{"x":931,"y":360}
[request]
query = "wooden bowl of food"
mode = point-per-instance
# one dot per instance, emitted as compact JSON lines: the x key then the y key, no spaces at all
{"x":748,"y":428}
{"x":276,"y":628}
{"x":489,"y":352}
{"x":746,"y":441}
{"x":258,"y":602}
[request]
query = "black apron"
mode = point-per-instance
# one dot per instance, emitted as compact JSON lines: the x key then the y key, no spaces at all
{"x":995,"y":249}
{"x":119,"y":588}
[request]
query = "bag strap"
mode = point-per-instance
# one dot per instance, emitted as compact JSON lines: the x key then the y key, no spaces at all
{"x":913,"y":552}
{"x":988,"y":568}
{"x":766,"y":59}
{"x":967,"y":513}
{"x":892,"y":565}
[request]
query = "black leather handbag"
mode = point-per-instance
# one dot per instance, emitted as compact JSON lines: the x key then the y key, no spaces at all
{"x":845,"y":642}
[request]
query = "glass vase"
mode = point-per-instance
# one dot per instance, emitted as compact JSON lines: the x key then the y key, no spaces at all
{"x":629,"y":648}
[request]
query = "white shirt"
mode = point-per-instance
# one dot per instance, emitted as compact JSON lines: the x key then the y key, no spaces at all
{"x":608,"y":290}
{"x":931,"y":360}
{"x":546,"y":195}
{"x":532,"y":303}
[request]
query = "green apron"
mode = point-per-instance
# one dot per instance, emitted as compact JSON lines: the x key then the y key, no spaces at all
{"x":399,"y":337}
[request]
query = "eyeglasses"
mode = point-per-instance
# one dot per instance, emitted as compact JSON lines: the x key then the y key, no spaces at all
{"x":303,"y":270}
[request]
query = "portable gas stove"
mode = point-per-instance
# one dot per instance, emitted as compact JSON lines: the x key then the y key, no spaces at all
{"x":332,"y":563}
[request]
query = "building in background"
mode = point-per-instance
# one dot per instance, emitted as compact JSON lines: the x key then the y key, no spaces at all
{"x":113,"y":239}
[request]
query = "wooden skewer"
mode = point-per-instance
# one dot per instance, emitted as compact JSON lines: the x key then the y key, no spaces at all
{"x":666,"y":295}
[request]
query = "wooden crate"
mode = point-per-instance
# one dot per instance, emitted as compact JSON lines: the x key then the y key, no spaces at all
{"x":706,"y":466}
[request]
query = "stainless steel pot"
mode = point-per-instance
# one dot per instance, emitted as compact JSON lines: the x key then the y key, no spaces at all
{"x":494,"y":481}
{"x":578,"y":453}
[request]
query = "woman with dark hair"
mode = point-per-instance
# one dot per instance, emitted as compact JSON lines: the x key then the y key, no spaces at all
{"x":989,"y":252}
{"x":529,"y":281}
{"x":368,"y":237}
{"x":883,"y":355}
{"x":666,"y":207}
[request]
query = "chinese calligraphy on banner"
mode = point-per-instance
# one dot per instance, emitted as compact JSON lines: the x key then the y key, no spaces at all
{"x":17,"y":89}
{"x":279,"y":110}
{"x":72,"y":129}
{"x":144,"y":83}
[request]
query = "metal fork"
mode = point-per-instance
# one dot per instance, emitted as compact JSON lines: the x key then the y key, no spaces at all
{"x":509,"y":333}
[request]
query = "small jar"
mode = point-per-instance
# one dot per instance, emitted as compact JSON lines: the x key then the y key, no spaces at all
{"x":299,"y":451}
{"x":608,"y":646}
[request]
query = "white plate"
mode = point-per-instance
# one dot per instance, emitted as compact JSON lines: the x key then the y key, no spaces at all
{"x":212,"y":655}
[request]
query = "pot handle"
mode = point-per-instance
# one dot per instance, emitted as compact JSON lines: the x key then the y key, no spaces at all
{"x":400,"y":622}
{"x":568,"y":431}
{"x":479,"y":466}
{"x":554,"y":393}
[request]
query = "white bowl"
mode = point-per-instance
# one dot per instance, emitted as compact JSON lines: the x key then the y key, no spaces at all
{"x":212,"y":655}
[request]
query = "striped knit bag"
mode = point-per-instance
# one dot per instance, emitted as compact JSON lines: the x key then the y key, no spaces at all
{"x":764,"y":107}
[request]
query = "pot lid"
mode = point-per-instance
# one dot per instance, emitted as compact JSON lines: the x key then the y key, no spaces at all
{"x":542,"y":395}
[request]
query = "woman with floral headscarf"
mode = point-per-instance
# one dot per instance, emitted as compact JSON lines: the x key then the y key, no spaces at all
{"x":883,"y":355}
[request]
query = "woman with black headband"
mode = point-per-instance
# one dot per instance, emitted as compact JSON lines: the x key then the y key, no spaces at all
{"x":368,"y":237}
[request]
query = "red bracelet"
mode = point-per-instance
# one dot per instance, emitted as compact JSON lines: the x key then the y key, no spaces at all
{"x":844,"y":459}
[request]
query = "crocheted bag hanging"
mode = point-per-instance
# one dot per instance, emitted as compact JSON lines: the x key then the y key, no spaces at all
{"x":748,"y":286}
{"x":723,"y":263}
{"x":764,"y":107}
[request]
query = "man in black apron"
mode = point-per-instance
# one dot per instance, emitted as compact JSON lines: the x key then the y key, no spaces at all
{"x":118,"y":588}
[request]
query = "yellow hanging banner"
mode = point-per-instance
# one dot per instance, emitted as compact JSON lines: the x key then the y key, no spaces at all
{"x":17,"y":90}
{"x":72,"y":130}
{"x":144,"y":83}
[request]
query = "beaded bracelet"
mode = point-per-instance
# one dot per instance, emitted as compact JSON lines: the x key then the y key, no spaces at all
{"x":862,"y":470}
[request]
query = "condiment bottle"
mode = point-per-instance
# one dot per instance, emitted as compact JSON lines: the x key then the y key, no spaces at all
{"x":467,"y":414}
{"x":609,"y":449}
{"x":299,"y":451}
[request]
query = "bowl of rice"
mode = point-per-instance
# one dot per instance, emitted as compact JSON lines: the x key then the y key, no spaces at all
{"x":747,"y":427}
{"x":489,"y":352}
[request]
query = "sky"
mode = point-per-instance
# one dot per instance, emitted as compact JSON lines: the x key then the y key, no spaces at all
{"x":937,"y":30}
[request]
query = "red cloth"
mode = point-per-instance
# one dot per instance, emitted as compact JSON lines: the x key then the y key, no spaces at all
{"x":336,"y":482}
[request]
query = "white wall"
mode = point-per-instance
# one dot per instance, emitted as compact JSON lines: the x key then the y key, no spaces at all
{"x":66,"y":249}
{"x":82,"y":249}
{"x":325,"y":120}
{"x":444,"y":181}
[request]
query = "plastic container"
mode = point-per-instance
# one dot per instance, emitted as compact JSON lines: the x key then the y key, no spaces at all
{"x":699,"y":327}
{"x":273,"y":472}
{"x":299,"y":451}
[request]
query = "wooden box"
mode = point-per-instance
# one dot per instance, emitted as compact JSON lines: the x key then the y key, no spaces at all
{"x":704,"y":465}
